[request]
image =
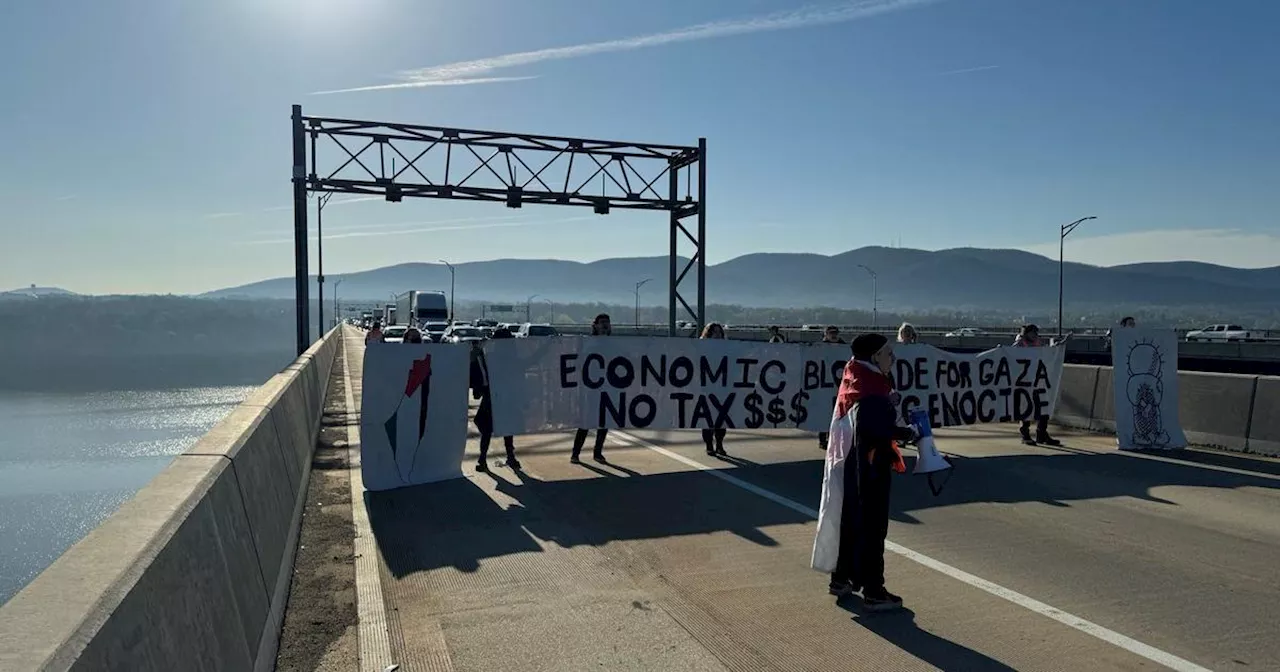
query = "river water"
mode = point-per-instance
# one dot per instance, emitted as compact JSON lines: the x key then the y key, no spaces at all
{"x":67,"y":461}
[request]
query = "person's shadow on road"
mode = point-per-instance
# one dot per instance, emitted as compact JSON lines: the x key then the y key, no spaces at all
{"x":899,"y":628}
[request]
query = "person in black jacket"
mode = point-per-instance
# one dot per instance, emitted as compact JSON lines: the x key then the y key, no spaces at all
{"x":484,"y":414}
{"x":714,"y":436}
{"x":866,"y":392}
{"x":601,"y":326}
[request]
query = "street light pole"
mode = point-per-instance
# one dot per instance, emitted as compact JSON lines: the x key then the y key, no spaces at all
{"x":337,"y":314}
{"x":528,"y":306}
{"x":452,"y":277}
{"x":638,"y":286}
{"x":875,"y":297}
{"x":1062,"y":244}
{"x":320,"y":203}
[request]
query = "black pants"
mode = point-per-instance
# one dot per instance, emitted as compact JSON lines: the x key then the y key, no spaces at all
{"x":1042,"y":427}
{"x":714,"y":438}
{"x":864,"y":523}
{"x":484,"y":424}
{"x":580,"y":439}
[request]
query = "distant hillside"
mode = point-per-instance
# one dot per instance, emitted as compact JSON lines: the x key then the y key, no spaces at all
{"x":963,"y":278}
{"x":34,"y":292}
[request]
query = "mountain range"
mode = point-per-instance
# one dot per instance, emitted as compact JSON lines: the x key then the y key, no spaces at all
{"x":961,"y":278}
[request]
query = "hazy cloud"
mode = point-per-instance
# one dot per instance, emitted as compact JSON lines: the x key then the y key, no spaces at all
{"x":68,"y":197}
{"x":1227,"y":247}
{"x":480,"y":71}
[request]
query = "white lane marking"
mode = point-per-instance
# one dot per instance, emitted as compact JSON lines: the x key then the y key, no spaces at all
{"x":1088,"y":627}
{"x":1184,"y":463}
{"x":371,"y":612}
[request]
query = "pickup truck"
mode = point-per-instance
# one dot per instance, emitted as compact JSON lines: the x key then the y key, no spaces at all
{"x":1220,"y":332}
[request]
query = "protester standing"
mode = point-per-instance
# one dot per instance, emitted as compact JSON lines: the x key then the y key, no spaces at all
{"x":374,"y":335}
{"x":714,"y":437}
{"x":484,"y":415}
{"x":412,"y":335}
{"x":854,"y":518}
{"x":601,"y":326}
{"x":1029,"y":337}
{"x":907,"y":334}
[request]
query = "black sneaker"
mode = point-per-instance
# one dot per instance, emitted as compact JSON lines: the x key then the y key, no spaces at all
{"x":598,"y":457}
{"x":879,"y":599}
{"x":574,"y":460}
{"x":1048,"y":440}
{"x":513,"y":463}
{"x":1027,"y":440}
{"x":482,"y":467}
{"x":711,"y":451}
{"x":720,"y":450}
{"x":841,"y":589}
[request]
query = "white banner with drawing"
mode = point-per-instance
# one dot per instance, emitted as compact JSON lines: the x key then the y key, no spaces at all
{"x":1144,"y":365}
{"x":413,"y":413}
{"x":559,"y":383}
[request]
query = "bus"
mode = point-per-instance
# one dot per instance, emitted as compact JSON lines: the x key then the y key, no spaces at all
{"x":416,"y":307}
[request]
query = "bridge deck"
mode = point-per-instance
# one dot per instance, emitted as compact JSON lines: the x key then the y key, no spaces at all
{"x":653,"y":562}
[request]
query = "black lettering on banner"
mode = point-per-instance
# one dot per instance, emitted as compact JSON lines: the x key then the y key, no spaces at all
{"x":777,"y":411}
{"x":746,"y":364}
{"x":909,"y":404}
{"x":904,"y":375}
{"x":1024,"y":367}
{"x":966,"y":375}
{"x":985,"y":376}
{"x":1023,"y":404}
{"x":643,"y":410}
{"x":682,"y":411}
{"x":1041,"y":403}
{"x":598,"y":360}
{"x":837,"y":374}
{"x":709,"y":375}
{"x":935,"y":411}
{"x":722,"y":410}
{"x":609,"y":409}
{"x":621,"y":373}
{"x":681,"y":371}
{"x":566,"y":370}
{"x":764,"y":376}
{"x":968,"y":407}
{"x":1006,"y":392}
{"x":658,"y":374}
{"x":812,"y":374}
{"x":639,"y":413}
{"x":1042,"y":374}
{"x":799,"y":413}
{"x":939,"y":373}
{"x":950,"y":413}
{"x":755,"y":417}
{"x":986,"y":405}
{"x":920,"y":372}
{"x":701,"y":412}
{"x":1003,"y":377}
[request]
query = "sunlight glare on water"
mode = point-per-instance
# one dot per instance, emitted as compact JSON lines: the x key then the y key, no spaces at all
{"x":67,"y":461}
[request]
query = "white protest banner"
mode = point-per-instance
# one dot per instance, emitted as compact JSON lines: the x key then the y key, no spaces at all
{"x":413,"y":413}
{"x":550,"y":384}
{"x":1144,"y":366}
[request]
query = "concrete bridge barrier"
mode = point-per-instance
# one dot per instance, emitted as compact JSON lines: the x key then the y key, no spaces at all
{"x":193,"y":572}
{"x":1223,"y":410}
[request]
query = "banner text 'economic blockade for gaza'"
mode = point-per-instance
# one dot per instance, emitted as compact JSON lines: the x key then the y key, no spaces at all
{"x":664,"y":383}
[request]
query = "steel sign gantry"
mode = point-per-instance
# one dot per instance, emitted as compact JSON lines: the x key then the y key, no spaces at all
{"x":398,"y":161}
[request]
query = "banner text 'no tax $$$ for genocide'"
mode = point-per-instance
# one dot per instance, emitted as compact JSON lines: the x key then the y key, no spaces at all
{"x":551,"y":384}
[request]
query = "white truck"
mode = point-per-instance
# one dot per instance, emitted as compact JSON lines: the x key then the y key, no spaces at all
{"x":417,"y":307}
{"x":1226,"y":333}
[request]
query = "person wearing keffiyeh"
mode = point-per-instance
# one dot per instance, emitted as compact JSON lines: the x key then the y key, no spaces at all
{"x":862,"y":454}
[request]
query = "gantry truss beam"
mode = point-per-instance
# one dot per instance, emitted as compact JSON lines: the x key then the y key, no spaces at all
{"x":398,"y":161}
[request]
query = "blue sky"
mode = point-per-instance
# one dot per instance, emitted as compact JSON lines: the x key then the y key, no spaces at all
{"x":146,"y":143}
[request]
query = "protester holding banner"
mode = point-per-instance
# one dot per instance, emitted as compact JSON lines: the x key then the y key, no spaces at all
{"x":830,"y":335}
{"x":601,"y":326}
{"x":776,"y":335}
{"x":374,"y":335}
{"x":907,"y":334}
{"x":1029,"y":337}
{"x":484,"y":415}
{"x":714,"y":330}
{"x":853,"y":519}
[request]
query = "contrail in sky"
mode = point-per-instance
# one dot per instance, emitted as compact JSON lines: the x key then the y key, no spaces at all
{"x":480,"y":71}
{"x":961,"y":71}
{"x":429,"y":229}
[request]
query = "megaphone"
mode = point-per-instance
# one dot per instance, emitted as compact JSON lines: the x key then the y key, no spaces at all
{"x":929,"y":460}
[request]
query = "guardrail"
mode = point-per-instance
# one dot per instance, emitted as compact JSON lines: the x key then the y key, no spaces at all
{"x":1222,"y":410}
{"x":192,"y":572}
